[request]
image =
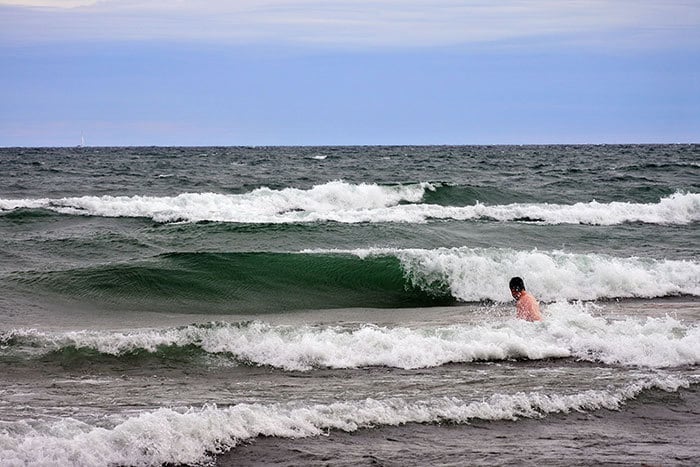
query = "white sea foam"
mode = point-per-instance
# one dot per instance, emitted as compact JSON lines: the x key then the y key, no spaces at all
{"x":262,"y":205}
{"x":568,"y":330}
{"x":645,"y":342}
{"x":474,"y":274}
{"x":679,"y":208}
{"x":187,"y":435}
{"x":343,"y":202}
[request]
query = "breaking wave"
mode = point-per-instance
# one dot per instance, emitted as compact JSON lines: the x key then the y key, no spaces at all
{"x":568,"y":331}
{"x":343,"y":202}
{"x":474,"y":274}
{"x":193,"y":435}
{"x":238,"y":283}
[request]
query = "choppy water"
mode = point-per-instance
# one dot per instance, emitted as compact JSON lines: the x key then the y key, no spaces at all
{"x":205,"y":297}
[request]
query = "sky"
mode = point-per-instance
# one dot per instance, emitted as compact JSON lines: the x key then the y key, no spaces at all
{"x":348,"y":72}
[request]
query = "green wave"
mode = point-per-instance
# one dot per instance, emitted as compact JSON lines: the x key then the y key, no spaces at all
{"x":27,"y":214}
{"x":72,"y":356}
{"x":239,"y":283}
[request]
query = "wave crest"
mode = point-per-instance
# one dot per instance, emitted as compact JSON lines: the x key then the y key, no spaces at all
{"x":237,"y":283}
{"x":474,"y":274}
{"x":569,"y":331}
{"x":343,"y":202}
{"x":190,"y":436}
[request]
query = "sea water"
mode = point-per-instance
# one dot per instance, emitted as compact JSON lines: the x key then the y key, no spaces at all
{"x":260,"y":305}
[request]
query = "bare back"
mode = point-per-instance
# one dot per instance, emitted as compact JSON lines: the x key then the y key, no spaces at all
{"x":528,"y":308}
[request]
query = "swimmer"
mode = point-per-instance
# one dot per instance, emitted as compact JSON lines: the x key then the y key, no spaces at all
{"x":526,"y":305}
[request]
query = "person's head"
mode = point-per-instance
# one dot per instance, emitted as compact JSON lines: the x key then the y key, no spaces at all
{"x":517,"y":287}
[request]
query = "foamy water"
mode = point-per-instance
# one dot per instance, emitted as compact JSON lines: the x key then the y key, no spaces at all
{"x":569,"y":330}
{"x":190,"y":435}
{"x":474,"y":274}
{"x":343,"y":202}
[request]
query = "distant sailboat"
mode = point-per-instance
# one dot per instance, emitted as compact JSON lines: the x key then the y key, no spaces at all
{"x":82,"y":140}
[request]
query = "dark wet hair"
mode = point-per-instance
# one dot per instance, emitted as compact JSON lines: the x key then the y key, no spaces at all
{"x":517,"y":284}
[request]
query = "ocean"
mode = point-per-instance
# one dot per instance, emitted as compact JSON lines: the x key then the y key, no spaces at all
{"x":349,"y":305}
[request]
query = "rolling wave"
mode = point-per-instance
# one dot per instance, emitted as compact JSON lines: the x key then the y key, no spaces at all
{"x":475,"y":274}
{"x":238,"y":283}
{"x":568,"y":331}
{"x":241,"y":283}
{"x":191,"y":435}
{"x":343,"y":202}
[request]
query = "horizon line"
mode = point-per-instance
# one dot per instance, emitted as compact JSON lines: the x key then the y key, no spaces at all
{"x":252,"y":146}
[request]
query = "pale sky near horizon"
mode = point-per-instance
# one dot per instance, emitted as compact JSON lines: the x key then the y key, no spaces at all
{"x":314,"y":72}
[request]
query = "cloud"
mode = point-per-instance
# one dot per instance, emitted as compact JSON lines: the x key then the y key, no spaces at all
{"x":348,"y":23}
